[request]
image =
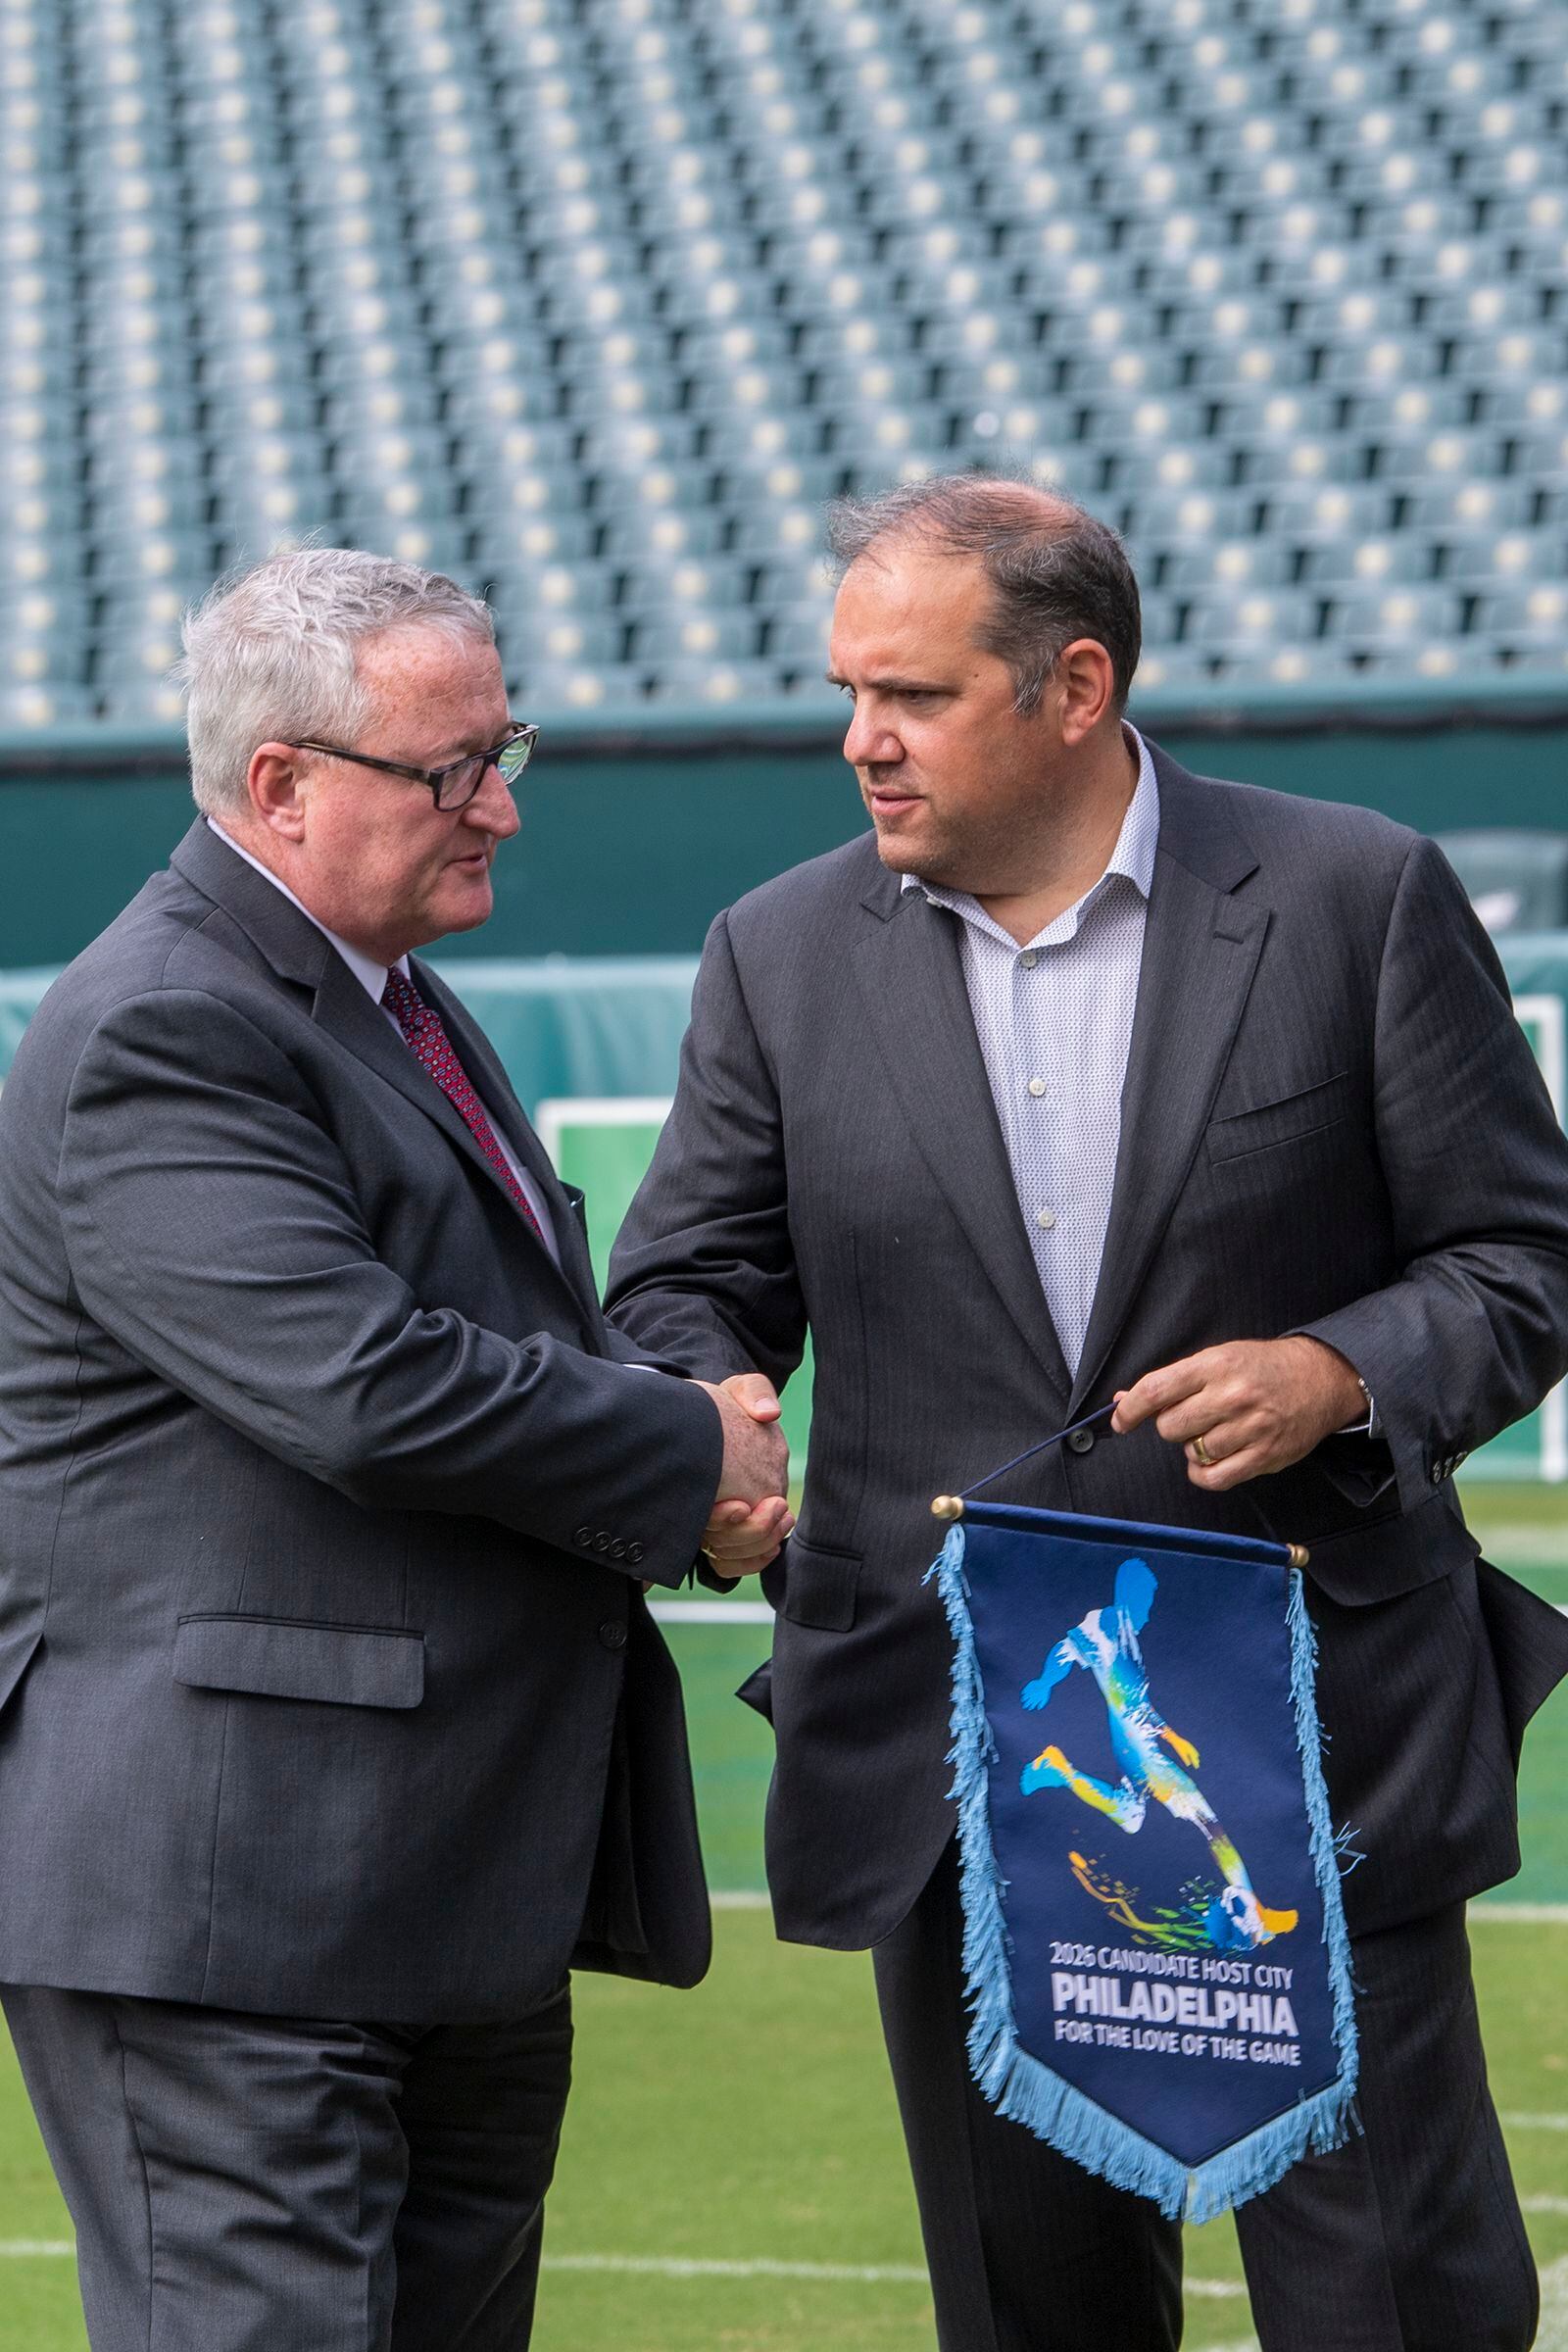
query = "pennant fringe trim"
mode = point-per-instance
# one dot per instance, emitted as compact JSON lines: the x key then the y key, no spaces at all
{"x":1027,"y":2091}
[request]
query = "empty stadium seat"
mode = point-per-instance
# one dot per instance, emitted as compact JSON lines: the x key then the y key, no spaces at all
{"x":575,"y":297}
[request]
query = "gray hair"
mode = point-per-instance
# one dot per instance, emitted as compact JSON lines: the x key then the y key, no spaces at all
{"x":1057,"y":572}
{"x":271,"y":654}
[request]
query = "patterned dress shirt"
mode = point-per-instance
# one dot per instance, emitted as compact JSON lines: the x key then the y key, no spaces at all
{"x":1054,"y":1020}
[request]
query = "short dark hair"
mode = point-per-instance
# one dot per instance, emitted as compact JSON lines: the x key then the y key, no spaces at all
{"x":1057,"y":572}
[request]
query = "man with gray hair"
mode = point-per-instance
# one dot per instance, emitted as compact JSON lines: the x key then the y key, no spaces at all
{"x":1084,"y":1079}
{"x":334,"y":1725}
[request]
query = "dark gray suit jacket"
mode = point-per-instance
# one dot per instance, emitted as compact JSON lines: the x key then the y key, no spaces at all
{"x":327,"y":1683}
{"x":1331,"y":1123}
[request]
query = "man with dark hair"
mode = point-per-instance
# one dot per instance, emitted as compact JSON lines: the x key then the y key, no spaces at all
{"x":1054,"y":570}
{"x":1087,"y":1078}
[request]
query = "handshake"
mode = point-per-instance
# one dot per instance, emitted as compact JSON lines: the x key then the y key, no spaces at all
{"x":750,"y":1515}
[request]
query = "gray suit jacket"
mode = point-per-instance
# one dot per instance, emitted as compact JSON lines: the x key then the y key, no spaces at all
{"x":1331,"y":1123}
{"x":327,"y":1683}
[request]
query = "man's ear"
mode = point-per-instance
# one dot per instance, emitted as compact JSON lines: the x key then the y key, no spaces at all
{"x":1085,"y":680}
{"x":274,"y":781}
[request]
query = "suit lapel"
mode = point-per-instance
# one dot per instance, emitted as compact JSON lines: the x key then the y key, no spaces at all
{"x":301,"y":953}
{"x":910,"y":969}
{"x":1201,"y":951}
{"x":484,"y":1066}
{"x":345,"y":1010}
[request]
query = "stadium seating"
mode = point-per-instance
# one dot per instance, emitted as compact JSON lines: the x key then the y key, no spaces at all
{"x":593,"y":303}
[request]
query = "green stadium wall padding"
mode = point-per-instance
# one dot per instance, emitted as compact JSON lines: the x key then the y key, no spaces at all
{"x":635,"y":833}
{"x":592,"y":1044}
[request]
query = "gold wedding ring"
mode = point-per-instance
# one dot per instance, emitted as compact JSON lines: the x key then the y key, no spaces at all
{"x":1202,"y":1455}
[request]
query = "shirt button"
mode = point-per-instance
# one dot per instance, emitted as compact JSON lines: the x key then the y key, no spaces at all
{"x":1029,"y":960}
{"x":613,"y":1633}
{"x":1037,"y":1087}
{"x":1045,"y":1218}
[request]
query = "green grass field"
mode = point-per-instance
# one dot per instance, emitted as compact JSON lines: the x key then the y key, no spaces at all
{"x":732,"y":2175}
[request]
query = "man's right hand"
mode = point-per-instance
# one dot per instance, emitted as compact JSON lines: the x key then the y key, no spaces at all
{"x":750,"y":1516}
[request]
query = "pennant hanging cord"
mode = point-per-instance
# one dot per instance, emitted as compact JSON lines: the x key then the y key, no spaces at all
{"x":951,"y":1506}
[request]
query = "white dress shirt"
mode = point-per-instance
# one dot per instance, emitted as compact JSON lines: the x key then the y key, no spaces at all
{"x":371,"y":977}
{"x":1054,"y":1020}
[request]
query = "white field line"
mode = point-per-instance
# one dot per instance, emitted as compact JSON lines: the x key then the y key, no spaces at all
{"x":1510,"y":1915}
{"x":1543,"y":2204}
{"x":1553,"y":2335}
{"x":710,"y":1612}
{"x":758,"y":1612}
{"x":1533,"y":2123}
{"x":1521,"y":1546}
{"x":682,"y":2266}
{"x":1486,"y":1913}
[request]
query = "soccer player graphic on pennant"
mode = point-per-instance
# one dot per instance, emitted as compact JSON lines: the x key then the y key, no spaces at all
{"x":1107,"y":1645}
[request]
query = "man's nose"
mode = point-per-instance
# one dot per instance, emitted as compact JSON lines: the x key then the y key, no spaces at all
{"x":871,"y":742}
{"x":493,"y":808}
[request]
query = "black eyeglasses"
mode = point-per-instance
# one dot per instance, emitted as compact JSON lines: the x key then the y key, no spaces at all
{"x":455,"y":785}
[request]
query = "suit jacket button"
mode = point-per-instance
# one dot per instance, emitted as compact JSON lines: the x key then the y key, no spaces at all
{"x":1081,"y":1440}
{"x":634,"y":1553}
{"x":618,"y":1549}
{"x":613,"y":1633}
{"x":602,"y":1540}
{"x":584,"y":1537}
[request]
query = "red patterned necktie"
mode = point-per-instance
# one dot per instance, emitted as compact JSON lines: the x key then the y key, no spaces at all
{"x":420,"y":1025}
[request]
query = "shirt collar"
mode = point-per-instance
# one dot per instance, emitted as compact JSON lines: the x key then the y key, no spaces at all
{"x":370,"y":975}
{"x":1133,"y":857}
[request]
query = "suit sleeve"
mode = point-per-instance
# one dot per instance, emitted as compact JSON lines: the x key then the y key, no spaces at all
{"x":213,"y":1226}
{"x":1475,"y":1329}
{"x":703,"y":1273}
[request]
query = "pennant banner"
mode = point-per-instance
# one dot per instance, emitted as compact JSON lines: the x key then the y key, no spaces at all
{"x":1153,"y":1937}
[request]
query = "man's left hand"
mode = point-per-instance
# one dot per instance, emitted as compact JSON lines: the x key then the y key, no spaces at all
{"x":1251,"y":1406}
{"x":740,"y":1541}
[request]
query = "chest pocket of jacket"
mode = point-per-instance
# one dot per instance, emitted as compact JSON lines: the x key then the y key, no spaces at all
{"x":1291,"y":1120}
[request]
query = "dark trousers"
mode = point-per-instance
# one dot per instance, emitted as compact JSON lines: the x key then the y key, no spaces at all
{"x":244,"y":2184}
{"x":1407,"y":2239}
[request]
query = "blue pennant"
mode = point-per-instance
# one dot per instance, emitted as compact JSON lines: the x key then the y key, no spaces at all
{"x":1155,"y":1943}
